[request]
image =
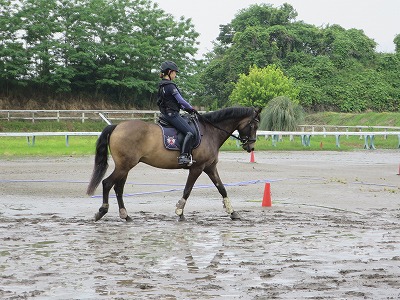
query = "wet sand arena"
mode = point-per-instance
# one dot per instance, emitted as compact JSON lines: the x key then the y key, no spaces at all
{"x":333,"y":231}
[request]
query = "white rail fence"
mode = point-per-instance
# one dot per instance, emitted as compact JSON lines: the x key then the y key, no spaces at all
{"x":369,"y":137}
{"x":121,"y":115}
{"x":80,"y":115}
{"x":31,"y":136}
{"x":307,"y":131}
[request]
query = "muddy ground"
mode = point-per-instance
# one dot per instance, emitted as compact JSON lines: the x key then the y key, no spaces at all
{"x":333,"y":231}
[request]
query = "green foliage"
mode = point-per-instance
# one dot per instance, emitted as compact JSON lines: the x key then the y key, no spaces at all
{"x":261,"y":85}
{"x":110,"y":49}
{"x":281,"y":114}
{"x":396,"y":42}
{"x":13,"y":57}
{"x":334,"y":68}
{"x":347,"y":45}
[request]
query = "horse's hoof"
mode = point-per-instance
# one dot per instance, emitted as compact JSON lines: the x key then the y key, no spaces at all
{"x":235,"y":216}
{"x":181,"y":218}
{"x":128,"y":219}
{"x":97,"y":216}
{"x":123,"y":214}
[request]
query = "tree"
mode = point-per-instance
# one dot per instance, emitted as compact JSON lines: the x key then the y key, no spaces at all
{"x":396,"y":42}
{"x":244,"y":42}
{"x":98,"y":49}
{"x":13,"y":57}
{"x":261,"y":85}
{"x":331,"y":66}
{"x":40,"y":27}
{"x":347,"y":46}
{"x":260,"y":15}
{"x":389,"y":70}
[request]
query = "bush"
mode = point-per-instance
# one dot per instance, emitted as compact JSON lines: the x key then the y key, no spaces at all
{"x":281,"y":114}
{"x":262,"y":85}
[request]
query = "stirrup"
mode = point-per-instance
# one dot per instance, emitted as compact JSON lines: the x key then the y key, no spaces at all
{"x":185,"y":160}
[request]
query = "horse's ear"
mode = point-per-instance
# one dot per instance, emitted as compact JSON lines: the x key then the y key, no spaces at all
{"x":258,"y":110}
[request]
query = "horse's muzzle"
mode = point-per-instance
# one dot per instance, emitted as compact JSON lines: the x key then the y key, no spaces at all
{"x":248,"y":147}
{"x":248,"y":144}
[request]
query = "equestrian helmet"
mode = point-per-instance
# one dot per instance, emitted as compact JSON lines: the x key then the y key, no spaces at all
{"x":169,"y":65}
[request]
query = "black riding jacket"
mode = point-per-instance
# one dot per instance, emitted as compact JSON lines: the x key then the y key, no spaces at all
{"x":169,"y":97}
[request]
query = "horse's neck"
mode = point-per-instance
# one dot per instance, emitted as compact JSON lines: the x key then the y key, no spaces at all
{"x":224,"y":128}
{"x":229,"y":125}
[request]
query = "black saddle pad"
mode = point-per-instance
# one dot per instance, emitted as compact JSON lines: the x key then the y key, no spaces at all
{"x":173,"y":139}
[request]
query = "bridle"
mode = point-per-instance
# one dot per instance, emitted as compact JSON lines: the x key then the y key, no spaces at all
{"x":247,"y":139}
{"x":243,"y":140}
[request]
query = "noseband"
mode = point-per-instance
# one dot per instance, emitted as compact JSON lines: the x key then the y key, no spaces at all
{"x":246,"y":140}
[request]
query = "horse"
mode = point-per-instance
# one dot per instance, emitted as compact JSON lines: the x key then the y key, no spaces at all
{"x":134,"y":141}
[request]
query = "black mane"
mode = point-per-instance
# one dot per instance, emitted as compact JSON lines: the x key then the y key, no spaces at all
{"x":228,"y":113}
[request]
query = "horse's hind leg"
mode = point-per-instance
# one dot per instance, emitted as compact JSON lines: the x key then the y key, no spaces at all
{"x":212,"y":172}
{"x":107,"y":185}
{"x":119,"y":190}
{"x":118,"y":181}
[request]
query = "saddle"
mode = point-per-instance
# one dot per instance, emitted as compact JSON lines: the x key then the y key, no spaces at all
{"x":172,"y":138}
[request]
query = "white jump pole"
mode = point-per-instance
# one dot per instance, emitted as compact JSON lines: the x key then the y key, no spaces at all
{"x":105,"y":119}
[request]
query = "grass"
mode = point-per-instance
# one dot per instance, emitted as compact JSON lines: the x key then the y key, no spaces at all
{"x":47,"y":146}
{"x":81,"y":145}
{"x":317,"y":143}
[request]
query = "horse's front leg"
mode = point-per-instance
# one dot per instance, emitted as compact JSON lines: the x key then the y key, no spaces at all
{"x":194,"y":173}
{"x":212,"y":172}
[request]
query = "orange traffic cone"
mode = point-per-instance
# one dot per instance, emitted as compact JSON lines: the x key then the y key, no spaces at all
{"x":267,"y":195}
{"x":252,"y":157}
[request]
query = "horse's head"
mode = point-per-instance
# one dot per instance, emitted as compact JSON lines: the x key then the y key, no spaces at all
{"x":248,"y":130}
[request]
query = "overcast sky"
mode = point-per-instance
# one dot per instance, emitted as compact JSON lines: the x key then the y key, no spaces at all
{"x":379,"y":19}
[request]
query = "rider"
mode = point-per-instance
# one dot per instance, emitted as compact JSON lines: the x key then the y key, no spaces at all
{"x":170,"y":101}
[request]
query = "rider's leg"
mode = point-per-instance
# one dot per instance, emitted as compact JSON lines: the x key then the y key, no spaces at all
{"x":184,"y":158}
{"x":182,"y":126}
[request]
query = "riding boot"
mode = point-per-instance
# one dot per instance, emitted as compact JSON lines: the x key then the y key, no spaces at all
{"x":185,"y":158}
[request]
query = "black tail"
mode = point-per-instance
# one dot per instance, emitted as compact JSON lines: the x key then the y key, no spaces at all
{"x":101,"y":159}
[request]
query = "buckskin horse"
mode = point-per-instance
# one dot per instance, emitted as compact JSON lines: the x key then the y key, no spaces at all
{"x":134,"y":141}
